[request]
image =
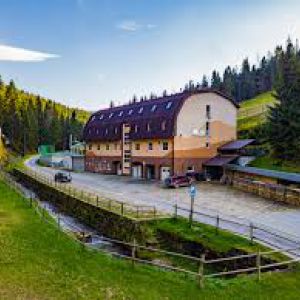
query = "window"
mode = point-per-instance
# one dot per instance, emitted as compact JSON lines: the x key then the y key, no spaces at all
{"x":116,"y":146}
{"x":141,"y":110}
{"x":169,"y":104}
{"x":207,"y":128}
{"x":106,"y":131}
{"x":98,"y":147}
{"x":208,"y":111}
{"x":153,"y":108}
{"x":121,"y":113}
{"x":101,"y":117}
{"x":207,"y":145}
{"x":150,"y":146}
{"x":148,"y":127}
{"x":107,"y":146}
{"x":165,"y":146}
{"x":130,"y":112}
{"x":90,"y":147}
{"x":136,"y":128}
{"x":163,"y":125}
{"x":93,"y":118}
{"x":97,"y":131}
{"x":137,"y":146}
{"x":116,"y":130}
{"x":110,"y":115}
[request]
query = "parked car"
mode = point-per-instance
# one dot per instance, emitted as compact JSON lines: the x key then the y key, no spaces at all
{"x":178,"y":181}
{"x":198,"y":176}
{"x":62,"y":177}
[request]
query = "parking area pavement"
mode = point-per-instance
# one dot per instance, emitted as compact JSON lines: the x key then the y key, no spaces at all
{"x":213,"y":198}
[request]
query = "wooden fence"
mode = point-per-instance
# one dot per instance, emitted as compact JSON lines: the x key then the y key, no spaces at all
{"x":204,"y":265}
{"x":137,"y":212}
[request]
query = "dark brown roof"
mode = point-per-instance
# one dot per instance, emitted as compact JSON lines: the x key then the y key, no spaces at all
{"x":236,"y":145}
{"x":106,"y":124}
{"x":220,"y":160}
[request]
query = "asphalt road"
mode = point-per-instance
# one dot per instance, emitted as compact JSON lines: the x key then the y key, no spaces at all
{"x":211,"y":198}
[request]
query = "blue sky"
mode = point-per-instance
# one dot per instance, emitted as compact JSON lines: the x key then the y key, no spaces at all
{"x":87,"y":52}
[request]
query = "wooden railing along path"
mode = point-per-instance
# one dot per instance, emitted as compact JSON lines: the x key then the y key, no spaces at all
{"x":204,"y":265}
{"x":133,"y":211}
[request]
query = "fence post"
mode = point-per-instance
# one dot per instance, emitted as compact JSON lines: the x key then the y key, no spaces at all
{"x":133,"y":252}
{"x":251,"y":232}
{"x":191,"y":211}
{"x":217,"y":224}
{"x":258,"y":265}
{"x":175,"y":213}
{"x":122,"y":208}
{"x":201,"y":271}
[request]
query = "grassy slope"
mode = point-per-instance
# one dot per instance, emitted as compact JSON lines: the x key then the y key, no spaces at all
{"x":45,"y":264}
{"x":253,"y":112}
{"x":267,"y":162}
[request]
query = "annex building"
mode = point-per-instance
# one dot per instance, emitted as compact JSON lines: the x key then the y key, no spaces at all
{"x":156,"y":138}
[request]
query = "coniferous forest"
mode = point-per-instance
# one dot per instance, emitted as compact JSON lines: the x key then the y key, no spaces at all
{"x":28,"y":120}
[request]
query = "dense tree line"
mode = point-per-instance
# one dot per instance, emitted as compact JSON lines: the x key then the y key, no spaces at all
{"x":28,"y":120}
{"x":282,"y":130}
{"x":245,"y":82}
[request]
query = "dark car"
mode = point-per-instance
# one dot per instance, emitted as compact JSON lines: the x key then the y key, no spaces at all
{"x":178,"y":181}
{"x":198,"y":176}
{"x":62,"y":177}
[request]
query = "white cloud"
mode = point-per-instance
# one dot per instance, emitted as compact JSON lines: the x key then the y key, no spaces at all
{"x":132,"y":26}
{"x":128,"y":25}
{"x":151,"y":26}
{"x":9,"y":53}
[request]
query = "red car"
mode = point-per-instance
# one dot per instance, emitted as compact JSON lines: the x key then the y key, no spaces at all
{"x":177,"y":181}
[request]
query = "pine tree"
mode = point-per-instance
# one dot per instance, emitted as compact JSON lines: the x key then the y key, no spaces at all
{"x":283,"y":120}
{"x":204,"y":82}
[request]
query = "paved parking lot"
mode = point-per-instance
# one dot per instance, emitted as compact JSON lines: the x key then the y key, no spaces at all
{"x":211,"y":197}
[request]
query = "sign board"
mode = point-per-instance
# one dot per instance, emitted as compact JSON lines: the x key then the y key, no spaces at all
{"x":192,"y":191}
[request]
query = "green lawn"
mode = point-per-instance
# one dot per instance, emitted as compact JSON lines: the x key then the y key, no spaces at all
{"x":39,"y":262}
{"x":253,"y":112}
{"x":267,"y":162}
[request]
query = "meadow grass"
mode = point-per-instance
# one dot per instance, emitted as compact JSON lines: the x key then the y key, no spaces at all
{"x":39,"y":262}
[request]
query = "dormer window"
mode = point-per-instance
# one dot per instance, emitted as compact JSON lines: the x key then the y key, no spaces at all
{"x":153,"y":108}
{"x":121,"y":113}
{"x":93,"y":118}
{"x":130,"y":112}
{"x":169,"y":104}
{"x":136,"y":128}
{"x":110,"y":115}
{"x":101,"y":117}
{"x":141,"y":110}
{"x":163,"y":125}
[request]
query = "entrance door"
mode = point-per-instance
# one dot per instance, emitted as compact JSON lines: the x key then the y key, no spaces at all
{"x":165,"y":172}
{"x":137,"y":171}
{"x":150,"y":172}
